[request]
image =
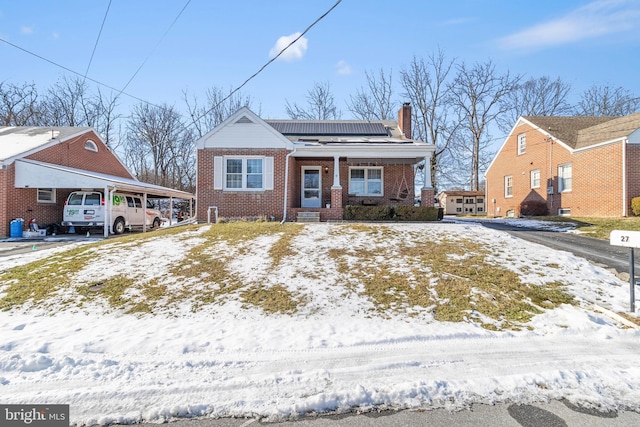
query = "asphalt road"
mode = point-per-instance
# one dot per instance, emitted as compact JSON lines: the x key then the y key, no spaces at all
{"x":551,"y":414}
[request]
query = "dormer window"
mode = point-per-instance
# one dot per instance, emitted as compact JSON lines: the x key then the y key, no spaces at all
{"x":91,"y":146}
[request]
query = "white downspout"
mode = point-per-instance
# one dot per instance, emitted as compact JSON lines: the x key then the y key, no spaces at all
{"x":286,"y":184}
{"x":624,"y":178}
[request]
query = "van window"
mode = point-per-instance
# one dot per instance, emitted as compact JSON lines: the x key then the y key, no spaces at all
{"x":75,"y":199}
{"x":129,"y":201}
{"x":138,"y":202}
{"x":92,"y":199}
{"x":150,"y":204}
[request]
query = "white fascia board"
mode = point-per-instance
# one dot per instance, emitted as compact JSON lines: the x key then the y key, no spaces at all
{"x":600,"y":144}
{"x":365,"y":150}
{"x":244,"y":111}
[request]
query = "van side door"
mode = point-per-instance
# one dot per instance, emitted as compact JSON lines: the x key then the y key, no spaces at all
{"x":139,"y":211}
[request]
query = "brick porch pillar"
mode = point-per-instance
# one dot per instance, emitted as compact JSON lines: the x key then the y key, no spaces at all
{"x":426,"y":195}
{"x":336,"y":197}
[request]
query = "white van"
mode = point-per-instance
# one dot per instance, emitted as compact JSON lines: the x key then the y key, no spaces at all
{"x":86,"y":209}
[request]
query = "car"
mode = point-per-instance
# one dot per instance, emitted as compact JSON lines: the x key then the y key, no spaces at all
{"x":86,"y":209}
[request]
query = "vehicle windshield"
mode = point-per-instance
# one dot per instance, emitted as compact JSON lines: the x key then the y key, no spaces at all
{"x":75,"y":199}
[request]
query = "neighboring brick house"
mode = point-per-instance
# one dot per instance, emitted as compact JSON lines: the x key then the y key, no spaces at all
{"x":40,"y":166}
{"x":250,"y":167}
{"x":459,"y":202}
{"x":578,"y":166}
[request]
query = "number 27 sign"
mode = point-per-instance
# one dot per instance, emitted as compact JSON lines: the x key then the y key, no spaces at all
{"x":629,"y":239}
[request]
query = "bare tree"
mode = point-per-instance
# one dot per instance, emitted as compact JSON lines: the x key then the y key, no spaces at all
{"x":215,"y":110}
{"x":434,"y":121}
{"x":607,"y":101}
{"x":476,"y":93}
{"x":320,"y":105}
{"x":539,"y":96}
{"x":158,"y":146}
{"x":375,"y":102}
{"x":18,"y":104}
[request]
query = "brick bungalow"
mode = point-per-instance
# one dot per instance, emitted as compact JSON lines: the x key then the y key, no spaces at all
{"x":284,"y":169}
{"x":40,"y":166}
{"x":578,"y":166}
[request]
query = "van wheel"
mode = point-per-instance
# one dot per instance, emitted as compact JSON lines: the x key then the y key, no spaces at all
{"x":156,"y":223}
{"x":118,"y":226}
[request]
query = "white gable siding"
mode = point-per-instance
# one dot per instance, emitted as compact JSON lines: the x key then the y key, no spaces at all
{"x":244,"y":135}
{"x":634,"y":138}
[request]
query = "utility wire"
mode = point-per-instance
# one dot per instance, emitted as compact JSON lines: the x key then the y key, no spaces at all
{"x":265,"y":65}
{"x":156,"y":46}
{"x":97,"y":40}
{"x":76,"y":73}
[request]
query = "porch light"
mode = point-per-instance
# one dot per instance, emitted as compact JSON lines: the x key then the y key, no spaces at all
{"x":326,"y":169}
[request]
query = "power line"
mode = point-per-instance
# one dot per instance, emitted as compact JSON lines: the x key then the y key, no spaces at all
{"x":267,"y":64}
{"x":97,"y":40}
{"x":75,"y":72}
{"x":156,"y":46}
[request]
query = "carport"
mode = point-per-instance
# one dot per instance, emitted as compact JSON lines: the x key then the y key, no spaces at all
{"x":34,"y":174}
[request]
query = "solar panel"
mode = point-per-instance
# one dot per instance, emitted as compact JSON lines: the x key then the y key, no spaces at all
{"x":329,"y":128}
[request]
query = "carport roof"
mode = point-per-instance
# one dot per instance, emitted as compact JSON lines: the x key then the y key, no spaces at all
{"x":34,"y":174}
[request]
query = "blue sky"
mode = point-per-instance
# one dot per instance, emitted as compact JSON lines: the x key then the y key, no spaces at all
{"x":222,"y":43}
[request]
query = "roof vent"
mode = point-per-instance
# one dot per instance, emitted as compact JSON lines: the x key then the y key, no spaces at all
{"x":244,"y":119}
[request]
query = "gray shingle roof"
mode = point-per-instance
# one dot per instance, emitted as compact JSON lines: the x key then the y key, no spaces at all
{"x":581,"y":132}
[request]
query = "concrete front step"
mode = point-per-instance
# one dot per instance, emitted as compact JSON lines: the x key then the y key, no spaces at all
{"x":308,"y":217}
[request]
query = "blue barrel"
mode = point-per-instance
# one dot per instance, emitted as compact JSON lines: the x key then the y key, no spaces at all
{"x":16,"y":228}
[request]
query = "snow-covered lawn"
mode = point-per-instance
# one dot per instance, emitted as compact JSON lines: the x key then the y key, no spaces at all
{"x":222,"y":350}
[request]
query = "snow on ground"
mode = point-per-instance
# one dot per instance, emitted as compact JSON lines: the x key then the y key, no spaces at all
{"x":334,"y":355}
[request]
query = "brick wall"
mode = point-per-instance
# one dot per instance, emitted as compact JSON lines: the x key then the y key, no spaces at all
{"x":597,"y":188}
{"x":235,"y":204}
{"x":22,"y":202}
{"x":540,"y":154}
{"x":270,"y":203}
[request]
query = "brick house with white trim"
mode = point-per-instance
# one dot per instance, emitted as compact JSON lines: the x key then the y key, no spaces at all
{"x":250,"y":167}
{"x":578,"y":166}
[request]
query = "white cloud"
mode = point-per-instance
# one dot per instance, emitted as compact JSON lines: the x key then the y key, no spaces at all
{"x":296,"y":51}
{"x":26,"y":29}
{"x":596,"y":19}
{"x":343,"y":67}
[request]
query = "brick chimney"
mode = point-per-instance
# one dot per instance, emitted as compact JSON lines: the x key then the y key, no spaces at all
{"x":404,"y":119}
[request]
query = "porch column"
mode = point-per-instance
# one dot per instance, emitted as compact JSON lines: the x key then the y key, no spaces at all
{"x":336,"y":172}
{"x":427,"y":193}
{"x":336,"y":188}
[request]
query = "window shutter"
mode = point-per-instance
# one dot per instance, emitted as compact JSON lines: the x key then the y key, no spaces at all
{"x":217,"y":173}
{"x":268,"y":173}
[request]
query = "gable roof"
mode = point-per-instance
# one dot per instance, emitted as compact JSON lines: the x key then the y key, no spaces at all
{"x":18,"y":141}
{"x":583,"y":131}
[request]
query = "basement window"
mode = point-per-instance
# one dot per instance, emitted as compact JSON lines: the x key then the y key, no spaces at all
{"x":564,"y":212}
{"x":46,"y":195}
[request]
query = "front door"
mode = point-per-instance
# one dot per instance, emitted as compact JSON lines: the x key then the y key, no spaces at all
{"x":311,"y":189}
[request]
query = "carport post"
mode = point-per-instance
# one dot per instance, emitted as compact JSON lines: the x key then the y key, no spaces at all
{"x":107,"y":213}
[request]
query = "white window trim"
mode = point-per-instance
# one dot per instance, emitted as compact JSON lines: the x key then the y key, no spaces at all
{"x":244,"y":173}
{"x":366,"y":181}
{"x":508,"y":196}
{"x":89,"y":145}
{"x":53,"y":195}
{"x":522,"y":144}
{"x":561,"y":187}
{"x":533,"y":185}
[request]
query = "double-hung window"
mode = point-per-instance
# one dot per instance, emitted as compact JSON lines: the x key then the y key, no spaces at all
{"x":244,"y":173}
{"x":535,"y":178}
{"x":522,"y":143}
{"x":365,"y":181}
{"x":508,"y":186}
{"x":564,"y":177}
